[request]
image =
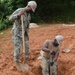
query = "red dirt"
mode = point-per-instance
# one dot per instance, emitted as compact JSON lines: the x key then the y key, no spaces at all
{"x":66,"y":61}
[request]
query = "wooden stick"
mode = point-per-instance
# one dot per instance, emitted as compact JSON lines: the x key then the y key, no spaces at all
{"x":50,"y":65}
{"x":23,"y":39}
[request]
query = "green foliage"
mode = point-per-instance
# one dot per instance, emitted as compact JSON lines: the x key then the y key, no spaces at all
{"x":1,"y":25}
{"x":4,"y":7}
{"x":47,"y":11}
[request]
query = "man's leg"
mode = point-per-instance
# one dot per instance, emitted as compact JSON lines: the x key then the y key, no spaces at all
{"x":16,"y":53}
{"x":54,"y":70}
{"x":44,"y":65}
{"x":17,"y":46}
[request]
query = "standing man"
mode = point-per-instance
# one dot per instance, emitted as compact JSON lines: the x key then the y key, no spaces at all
{"x":17,"y":29}
{"x":50,"y":48}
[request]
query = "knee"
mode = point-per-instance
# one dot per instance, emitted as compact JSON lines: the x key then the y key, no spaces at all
{"x":44,"y":68}
{"x":54,"y":73}
{"x":45,"y":72}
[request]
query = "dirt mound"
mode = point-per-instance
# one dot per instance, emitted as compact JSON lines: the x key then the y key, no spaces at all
{"x":66,"y":65}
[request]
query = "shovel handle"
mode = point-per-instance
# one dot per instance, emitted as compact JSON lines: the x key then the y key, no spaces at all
{"x":50,"y":65}
{"x":23,"y":39}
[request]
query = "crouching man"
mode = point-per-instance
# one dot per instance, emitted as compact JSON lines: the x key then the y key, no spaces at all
{"x":50,"y":48}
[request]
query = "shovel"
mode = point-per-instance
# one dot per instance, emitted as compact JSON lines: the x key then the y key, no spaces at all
{"x":23,"y":66}
{"x":50,"y":65}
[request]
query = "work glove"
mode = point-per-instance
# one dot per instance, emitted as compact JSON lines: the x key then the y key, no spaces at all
{"x":51,"y":63}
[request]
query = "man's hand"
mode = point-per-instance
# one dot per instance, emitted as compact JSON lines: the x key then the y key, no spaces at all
{"x":53,"y":53}
{"x":21,"y":13}
{"x":51,"y":63}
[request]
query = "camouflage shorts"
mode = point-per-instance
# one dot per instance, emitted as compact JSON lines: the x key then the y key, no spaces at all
{"x":45,"y":67}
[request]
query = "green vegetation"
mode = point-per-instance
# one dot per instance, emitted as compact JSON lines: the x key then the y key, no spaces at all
{"x":51,"y":11}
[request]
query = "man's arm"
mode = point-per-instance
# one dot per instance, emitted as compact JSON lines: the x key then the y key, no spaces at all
{"x":45,"y":46}
{"x":56,"y":56}
{"x":16,"y":14}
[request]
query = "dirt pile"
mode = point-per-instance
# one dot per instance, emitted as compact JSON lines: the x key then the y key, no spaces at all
{"x":66,"y":65}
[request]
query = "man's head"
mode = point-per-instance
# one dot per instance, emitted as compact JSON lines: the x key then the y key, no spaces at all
{"x":32,"y":5}
{"x":58,"y":40}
